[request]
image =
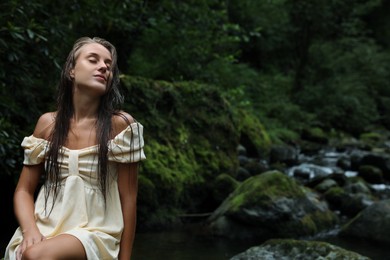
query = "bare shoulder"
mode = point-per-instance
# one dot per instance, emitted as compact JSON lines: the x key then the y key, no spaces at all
{"x":120,"y":121}
{"x":45,"y":125}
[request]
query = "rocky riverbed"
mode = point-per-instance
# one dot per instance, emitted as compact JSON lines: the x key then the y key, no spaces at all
{"x":297,"y":193}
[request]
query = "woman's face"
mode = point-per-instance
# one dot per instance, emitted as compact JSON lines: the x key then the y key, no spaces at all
{"x":92,"y":71}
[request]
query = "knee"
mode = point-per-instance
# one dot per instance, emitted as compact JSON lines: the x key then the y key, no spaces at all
{"x":32,"y":253}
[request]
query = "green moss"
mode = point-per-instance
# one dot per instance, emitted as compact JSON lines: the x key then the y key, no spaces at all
{"x":258,"y":190}
{"x":250,"y":126}
{"x":317,"y":132}
{"x":308,"y":224}
{"x":172,"y":171}
{"x":335,"y":192}
{"x":282,"y":135}
{"x":323,"y":219}
{"x":371,"y":137}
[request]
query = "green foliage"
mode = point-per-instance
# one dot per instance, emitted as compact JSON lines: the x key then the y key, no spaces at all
{"x":24,"y":60}
{"x":267,"y":26}
{"x":334,"y":74}
{"x":347,"y":98}
{"x":9,"y":149}
{"x":182,"y":38}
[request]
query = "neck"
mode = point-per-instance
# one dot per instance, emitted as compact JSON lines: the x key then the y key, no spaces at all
{"x":85,"y":107}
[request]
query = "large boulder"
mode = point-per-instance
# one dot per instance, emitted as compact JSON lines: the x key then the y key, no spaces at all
{"x":271,"y":205}
{"x":286,"y":249}
{"x":373,"y":223}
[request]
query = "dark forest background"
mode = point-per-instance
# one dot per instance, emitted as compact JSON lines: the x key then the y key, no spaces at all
{"x":321,"y":66}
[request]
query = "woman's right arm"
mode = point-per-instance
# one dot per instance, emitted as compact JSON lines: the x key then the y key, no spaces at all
{"x":24,"y":205}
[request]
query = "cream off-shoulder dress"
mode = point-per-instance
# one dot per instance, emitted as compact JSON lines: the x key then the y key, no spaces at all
{"x":79,"y":209}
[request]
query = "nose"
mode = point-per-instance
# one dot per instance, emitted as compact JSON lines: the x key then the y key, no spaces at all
{"x":103,"y":67}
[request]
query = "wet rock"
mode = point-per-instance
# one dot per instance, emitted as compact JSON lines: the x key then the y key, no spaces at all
{"x":326,"y":185}
{"x":242,"y":174}
{"x":339,"y":178}
{"x":286,"y":249}
{"x":241,"y":150}
{"x":256,"y":167}
{"x":371,"y":174}
{"x":381,"y":161}
{"x":357,"y":185}
{"x":356,"y":157}
{"x":243,"y":160}
{"x":351,"y":198}
{"x":271,"y":205}
{"x":344,"y":163}
{"x":307,"y":171}
{"x":284,"y":154}
{"x":373,"y":224}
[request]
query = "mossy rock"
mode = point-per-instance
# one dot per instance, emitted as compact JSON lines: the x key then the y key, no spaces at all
{"x":335,"y":196}
{"x":315,"y":134}
{"x":325,"y":185}
{"x":285,"y":249}
{"x":271,"y":205}
{"x":371,"y":139}
{"x":371,"y":174}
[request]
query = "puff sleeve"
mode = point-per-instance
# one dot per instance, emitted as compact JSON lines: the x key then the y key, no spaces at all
{"x":34,"y":150}
{"x":128,"y":145}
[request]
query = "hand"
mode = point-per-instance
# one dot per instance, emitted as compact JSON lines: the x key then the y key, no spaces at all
{"x":29,"y":238}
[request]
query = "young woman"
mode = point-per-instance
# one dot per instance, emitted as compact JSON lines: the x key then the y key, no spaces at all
{"x":88,"y":153}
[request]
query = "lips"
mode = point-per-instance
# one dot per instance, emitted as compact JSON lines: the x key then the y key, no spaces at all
{"x":101,"y":77}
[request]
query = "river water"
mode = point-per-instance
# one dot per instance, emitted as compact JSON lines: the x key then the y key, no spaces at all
{"x":186,"y":245}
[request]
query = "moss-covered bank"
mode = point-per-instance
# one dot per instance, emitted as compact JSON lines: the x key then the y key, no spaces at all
{"x":191,"y":135}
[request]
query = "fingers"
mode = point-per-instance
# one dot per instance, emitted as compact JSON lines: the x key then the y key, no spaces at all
{"x":21,"y":249}
{"x":19,"y":252}
{"x":26,"y":243}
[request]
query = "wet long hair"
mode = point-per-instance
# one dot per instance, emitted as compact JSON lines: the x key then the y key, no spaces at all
{"x":109,"y":105}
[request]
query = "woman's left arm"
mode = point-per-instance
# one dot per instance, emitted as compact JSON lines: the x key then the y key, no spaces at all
{"x":128,"y":188}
